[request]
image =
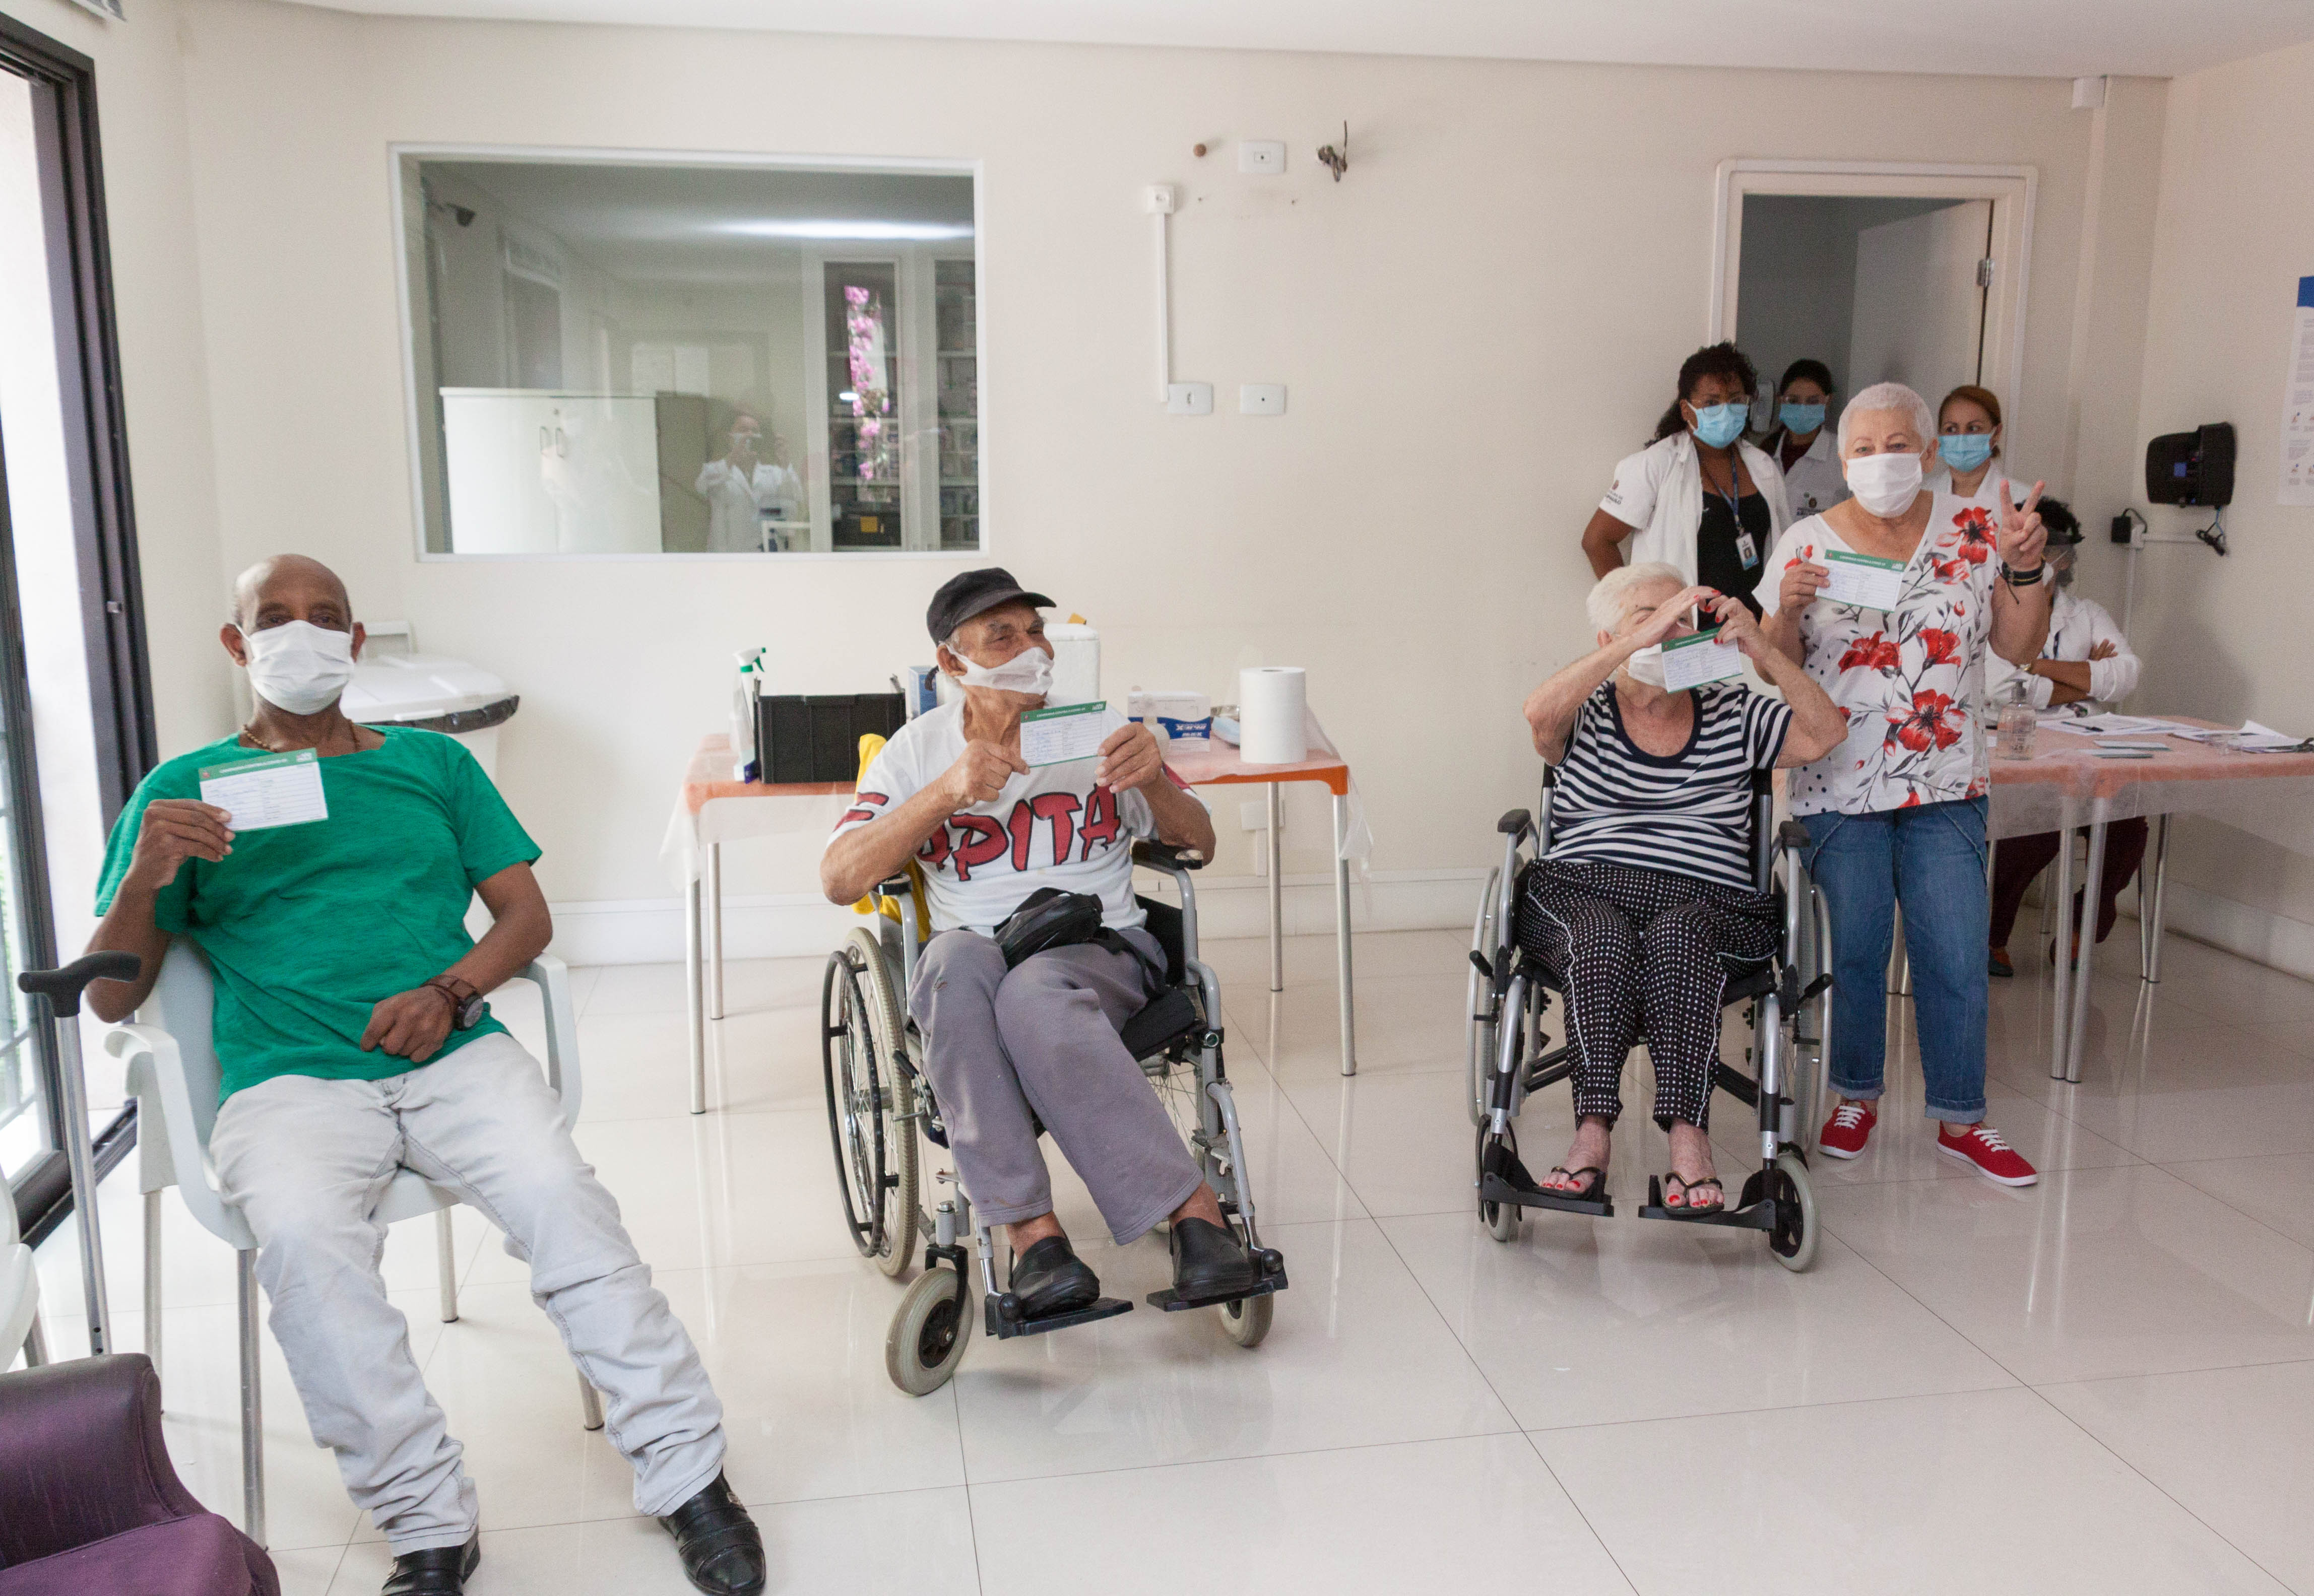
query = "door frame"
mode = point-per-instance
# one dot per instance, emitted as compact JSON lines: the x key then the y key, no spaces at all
{"x":104,"y":521}
{"x":2012,"y":190}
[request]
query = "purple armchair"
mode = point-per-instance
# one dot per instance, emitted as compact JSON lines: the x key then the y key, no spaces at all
{"x":89,"y":1500}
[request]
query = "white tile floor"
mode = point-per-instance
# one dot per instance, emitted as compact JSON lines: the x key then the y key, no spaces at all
{"x":2105,"y":1383}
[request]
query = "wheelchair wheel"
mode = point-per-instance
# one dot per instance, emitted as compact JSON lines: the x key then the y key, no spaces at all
{"x":869,"y":1102}
{"x":929,"y":1333}
{"x":1478,"y":1034}
{"x":1247,"y":1321}
{"x":1793,"y":1240}
{"x":1501,"y":1219}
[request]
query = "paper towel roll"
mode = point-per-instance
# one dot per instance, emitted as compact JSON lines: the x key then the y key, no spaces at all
{"x":1076,"y":663}
{"x":1270,"y":699}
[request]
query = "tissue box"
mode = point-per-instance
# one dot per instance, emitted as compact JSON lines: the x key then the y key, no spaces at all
{"x":1185,"y":716}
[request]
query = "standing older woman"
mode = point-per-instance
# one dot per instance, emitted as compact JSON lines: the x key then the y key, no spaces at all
{"x":1699,"y":499}
{"x":1644,"y":903}
{"x":1895,"y":814}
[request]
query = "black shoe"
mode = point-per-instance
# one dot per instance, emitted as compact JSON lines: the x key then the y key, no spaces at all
{"x":722,"y":1550}
{"x":1050,"y":1278}
{"x":1208,"y":1263}
{"x":438,"y":1571}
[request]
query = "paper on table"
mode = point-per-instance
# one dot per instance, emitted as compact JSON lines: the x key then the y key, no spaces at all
{"x":1065,"y":732}
{"x":1693,"y":661}
{"x":276,"y":790}
{"x":1863,"y":579}
{"x":2110,"y":725}
{"x":2251,"y":737}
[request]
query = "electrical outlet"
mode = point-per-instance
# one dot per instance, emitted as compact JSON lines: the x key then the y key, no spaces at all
{"x":1261,"y":399}
{"x":1254,"y":815}
{"x":1263,"y":156}
{"x":1189,"y":399}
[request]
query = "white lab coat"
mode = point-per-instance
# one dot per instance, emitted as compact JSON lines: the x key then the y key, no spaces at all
{"x":1659,"y":491}
{"x":1814,"y":482}
{"x":2076,"y":625}
{"x":1988,"y":491}
{"x":734,"y":504}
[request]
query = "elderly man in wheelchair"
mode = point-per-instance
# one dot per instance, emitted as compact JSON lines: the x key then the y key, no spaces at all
{"x":1021,"y":1008}
{"x":1649,"y":897}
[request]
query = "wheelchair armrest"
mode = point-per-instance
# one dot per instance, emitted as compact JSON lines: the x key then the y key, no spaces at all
{"x":899,"y":886}
{"x":1516,"y":824}
{"x":1791,"y":834}
{"x":156,"y":1074}
{"x":1164,"y":855}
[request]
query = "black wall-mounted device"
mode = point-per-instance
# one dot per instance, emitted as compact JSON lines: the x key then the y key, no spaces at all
{"x":2194,"y":467}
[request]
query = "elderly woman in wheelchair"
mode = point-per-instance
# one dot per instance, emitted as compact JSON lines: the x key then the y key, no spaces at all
{"x":1645,"y":900}
{"x":1030,"y":1002}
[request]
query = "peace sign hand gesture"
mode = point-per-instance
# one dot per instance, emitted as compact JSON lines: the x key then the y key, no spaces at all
{"x":2023,"y":538}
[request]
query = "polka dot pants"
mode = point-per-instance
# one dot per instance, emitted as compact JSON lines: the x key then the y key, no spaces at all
{"x":1642,"y":952}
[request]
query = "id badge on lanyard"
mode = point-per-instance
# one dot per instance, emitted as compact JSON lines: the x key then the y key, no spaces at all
{"x":1747,"y":547}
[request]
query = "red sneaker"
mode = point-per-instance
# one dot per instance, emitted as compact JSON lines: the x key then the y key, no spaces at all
{"x":1845,"y":1133}
{"x":1995,"y":1159}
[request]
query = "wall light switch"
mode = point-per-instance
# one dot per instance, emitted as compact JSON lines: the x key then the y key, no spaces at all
{"x":1261,"y":399}
{"x":1265,"y":156}
{"x":1189,"y":399}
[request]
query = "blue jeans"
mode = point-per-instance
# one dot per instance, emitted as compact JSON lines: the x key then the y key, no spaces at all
{"x":1932,"y":860}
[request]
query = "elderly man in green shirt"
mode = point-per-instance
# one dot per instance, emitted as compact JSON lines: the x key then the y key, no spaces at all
{"x":354,"y":1041}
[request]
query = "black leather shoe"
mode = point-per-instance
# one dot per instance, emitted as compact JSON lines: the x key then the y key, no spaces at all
{"x":1208,"y":1262}
{"x":438,"y":1571}
{"x":1050,"y":1278}
{"x":722,"y":1548}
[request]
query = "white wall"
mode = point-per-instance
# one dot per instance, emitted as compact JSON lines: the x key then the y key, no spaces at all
{"x":1474,"y":327}
{"x":2227,"y":638}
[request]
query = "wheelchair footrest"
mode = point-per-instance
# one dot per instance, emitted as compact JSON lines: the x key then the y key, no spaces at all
{"x":1004,"y":1329}
{"x":1504,"y":1179}
{"x":1272,"y":1265}
{"x":1751,"y":1214}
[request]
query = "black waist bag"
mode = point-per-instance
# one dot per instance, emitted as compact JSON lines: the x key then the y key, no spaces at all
{"x":1049,"y":918}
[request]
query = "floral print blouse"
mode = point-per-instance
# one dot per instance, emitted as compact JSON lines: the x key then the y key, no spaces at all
{"x":1909,"y":681}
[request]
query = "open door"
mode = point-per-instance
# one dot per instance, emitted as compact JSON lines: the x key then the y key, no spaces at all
{"x":1920,"y":303}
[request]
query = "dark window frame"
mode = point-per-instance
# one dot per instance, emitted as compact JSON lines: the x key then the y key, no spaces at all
{"x":104,"y":523}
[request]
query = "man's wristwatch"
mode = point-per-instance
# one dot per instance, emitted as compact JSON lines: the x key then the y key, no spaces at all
{"x":2016,"y":578}
{"x":465,"y":1002}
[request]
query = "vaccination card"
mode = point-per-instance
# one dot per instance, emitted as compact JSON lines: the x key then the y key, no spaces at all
{"x":1693,"y":661}
{"x":277,"y":789}
{"x":1863,"y":579}
{"x":1067,"y":732}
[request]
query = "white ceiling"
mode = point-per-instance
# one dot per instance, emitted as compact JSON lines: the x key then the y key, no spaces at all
{"x":2001,"y":37}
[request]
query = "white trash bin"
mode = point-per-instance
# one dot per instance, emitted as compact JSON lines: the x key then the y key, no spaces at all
{"x":393,"y":685}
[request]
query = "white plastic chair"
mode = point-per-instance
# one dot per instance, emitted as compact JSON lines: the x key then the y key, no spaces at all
{"x":20,"y":1295}
{"x":174,"y":1077}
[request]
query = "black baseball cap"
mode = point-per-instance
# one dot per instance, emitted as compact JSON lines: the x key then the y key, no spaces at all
{"x":973,"y":593}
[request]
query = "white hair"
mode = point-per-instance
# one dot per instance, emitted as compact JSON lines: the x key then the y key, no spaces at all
{"x":1612,"y":594}
{"x":1890,"y":396}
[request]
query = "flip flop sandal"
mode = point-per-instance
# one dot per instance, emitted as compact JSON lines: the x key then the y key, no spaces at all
{"x":1581,"y":1194}
{"x":1687,"y":1203}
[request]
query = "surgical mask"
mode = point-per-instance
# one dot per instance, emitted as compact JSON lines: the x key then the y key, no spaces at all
{"x":1647,"y":666}
{"x":1884,"y":484}
{"x":1720,"y":425}
{"x":1801,"y":419}
{"x":299,"y":666}
{"x":1964,"y":451}
{"x":1030,"y":671}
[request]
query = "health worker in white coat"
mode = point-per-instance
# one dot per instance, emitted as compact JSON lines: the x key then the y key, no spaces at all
{"x":1968,"y":444}
{"x":740,"y":486}
{"x":1699,"y":499}
{"x":1804,"y":450}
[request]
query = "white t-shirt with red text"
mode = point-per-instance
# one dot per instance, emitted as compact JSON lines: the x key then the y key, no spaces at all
{"x":1052,"y":827}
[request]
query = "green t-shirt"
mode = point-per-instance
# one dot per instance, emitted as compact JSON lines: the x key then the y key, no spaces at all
{"x":308,"y":926}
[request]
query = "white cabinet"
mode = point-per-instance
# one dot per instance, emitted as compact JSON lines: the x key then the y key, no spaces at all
{"x":540,"y":472}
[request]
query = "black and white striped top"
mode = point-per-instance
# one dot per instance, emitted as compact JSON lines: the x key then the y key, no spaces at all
{"x":1689,"y":813}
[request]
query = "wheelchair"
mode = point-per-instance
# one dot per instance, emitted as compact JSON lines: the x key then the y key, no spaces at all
{"x":1788,"y":1003}
{"x":878,"y":1100}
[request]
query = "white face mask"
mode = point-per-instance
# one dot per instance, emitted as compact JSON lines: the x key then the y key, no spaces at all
{"x":1885,"y":484}
{"x":1030,"y":671}
{"x":1647,"y":666}
{"x":299,"y":666}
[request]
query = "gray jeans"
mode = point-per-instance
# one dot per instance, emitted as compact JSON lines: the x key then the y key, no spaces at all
{"x":1042,"y":1039}
{"x":305,"y":1159}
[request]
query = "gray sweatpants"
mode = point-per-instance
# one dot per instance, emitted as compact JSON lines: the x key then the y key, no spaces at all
{"x":1042,"y":1038}
{"x":305,"y":1159}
